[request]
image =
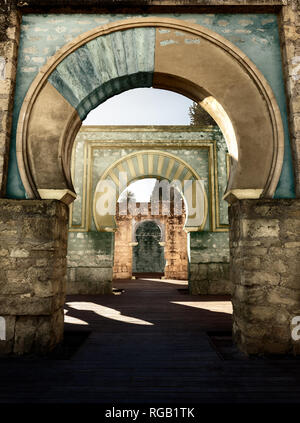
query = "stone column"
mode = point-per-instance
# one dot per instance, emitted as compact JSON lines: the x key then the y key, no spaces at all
{"x":9,"y":41}
{"x":176,"y":248}
{"x":265,"y":270}
{"x":123,"y":248}
{"x":33,"y":247}
{"x":289,"y":21}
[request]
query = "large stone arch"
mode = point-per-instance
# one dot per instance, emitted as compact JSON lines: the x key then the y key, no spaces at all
{"x":151,"y":164}
{"x":143,"y":52}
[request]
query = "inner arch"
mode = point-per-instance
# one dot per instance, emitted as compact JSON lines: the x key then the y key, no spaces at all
{"x":150,"y":164}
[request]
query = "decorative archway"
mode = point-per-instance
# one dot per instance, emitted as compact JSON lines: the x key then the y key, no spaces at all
{"x":143,"y":52}
{"x":148,"y":253}
{"x":156,"y":221}
{"x":151,"y":164}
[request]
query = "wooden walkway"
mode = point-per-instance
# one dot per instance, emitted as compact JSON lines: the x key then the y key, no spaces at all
{"x":153,"y":343}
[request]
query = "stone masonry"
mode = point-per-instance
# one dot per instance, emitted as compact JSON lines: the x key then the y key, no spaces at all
{"x":210,"y":278}
{"x":33,"y":246}
{"x":175,"y":243}
{"x":90,"y":262}
{"x":9,"y":41}
{"x":265,"y":270}
{"x":290,"y":43}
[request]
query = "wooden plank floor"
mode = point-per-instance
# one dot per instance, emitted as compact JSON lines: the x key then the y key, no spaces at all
{"x":149,"y":345}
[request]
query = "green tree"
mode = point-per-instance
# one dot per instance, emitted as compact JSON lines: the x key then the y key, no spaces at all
{"x":127,"y":195}
{"x":199,"y":117}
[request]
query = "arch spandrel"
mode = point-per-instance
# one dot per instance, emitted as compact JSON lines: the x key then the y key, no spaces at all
{"x":180,"y":56}
{"x":163,"y":166}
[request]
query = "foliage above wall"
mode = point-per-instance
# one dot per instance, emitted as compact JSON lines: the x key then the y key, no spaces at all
{"x":199,"y":117}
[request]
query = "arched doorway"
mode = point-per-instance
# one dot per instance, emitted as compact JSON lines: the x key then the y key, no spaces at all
{"x":148,"y":255}
{"x":197,"y":63}
{"x":167,"y":54}
{"x":169,"y":257}
{"x":173,"y":172}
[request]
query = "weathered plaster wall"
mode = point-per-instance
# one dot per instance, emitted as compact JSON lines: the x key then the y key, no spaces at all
{"x":256,"y":35}
{"x":155,"y":5}
{"x":97,"y":148}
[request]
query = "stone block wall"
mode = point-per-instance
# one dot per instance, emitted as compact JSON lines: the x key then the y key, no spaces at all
{"x":90,"y":262}
{"x":265,"y":270}
{"x":174,"y":242}
{"x":210,"y":278}
{"x":289,"y":26}
{"x":33,"y":246}
{"x":209,"y":263}
{"x":123,"y":248}
{"x":176,"y":248}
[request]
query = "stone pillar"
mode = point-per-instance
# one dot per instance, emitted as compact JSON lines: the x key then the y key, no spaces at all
{"x":33,"y":247}
{"x":176,"y":248}
{"x":9,"y":41}
{"x":265,"y":270}
{"x":123,"y":248}
{"x":289,"y":21}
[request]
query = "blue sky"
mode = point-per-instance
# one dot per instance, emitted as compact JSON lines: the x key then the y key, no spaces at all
{"x":142,"y":106}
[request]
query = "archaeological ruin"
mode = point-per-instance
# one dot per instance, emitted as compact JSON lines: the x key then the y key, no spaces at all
{"x":239,"y":181}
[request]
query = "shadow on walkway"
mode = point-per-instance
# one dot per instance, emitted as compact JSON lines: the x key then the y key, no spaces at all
{"x":148,"y":345}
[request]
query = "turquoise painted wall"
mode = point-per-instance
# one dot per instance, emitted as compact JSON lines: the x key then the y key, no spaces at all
{"x":106,"y":66}
{"x":103,"y":157}
{"x":206,"y":247}
{"x":256,"y":35}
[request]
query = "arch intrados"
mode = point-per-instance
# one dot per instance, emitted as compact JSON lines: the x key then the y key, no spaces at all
{"x":182,"y":87}
{"x":144,"y":176}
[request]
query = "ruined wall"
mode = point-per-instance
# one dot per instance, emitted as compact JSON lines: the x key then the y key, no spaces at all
{"x":90,"y":261}
{"x":265,"y":271}
{"x":264,"y":242}
{"x":209,"y":263}
{"x":176,"y":248}
{"x":173,"y":245}
{"x":33,"y":246}
{"x":123,"y":248}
